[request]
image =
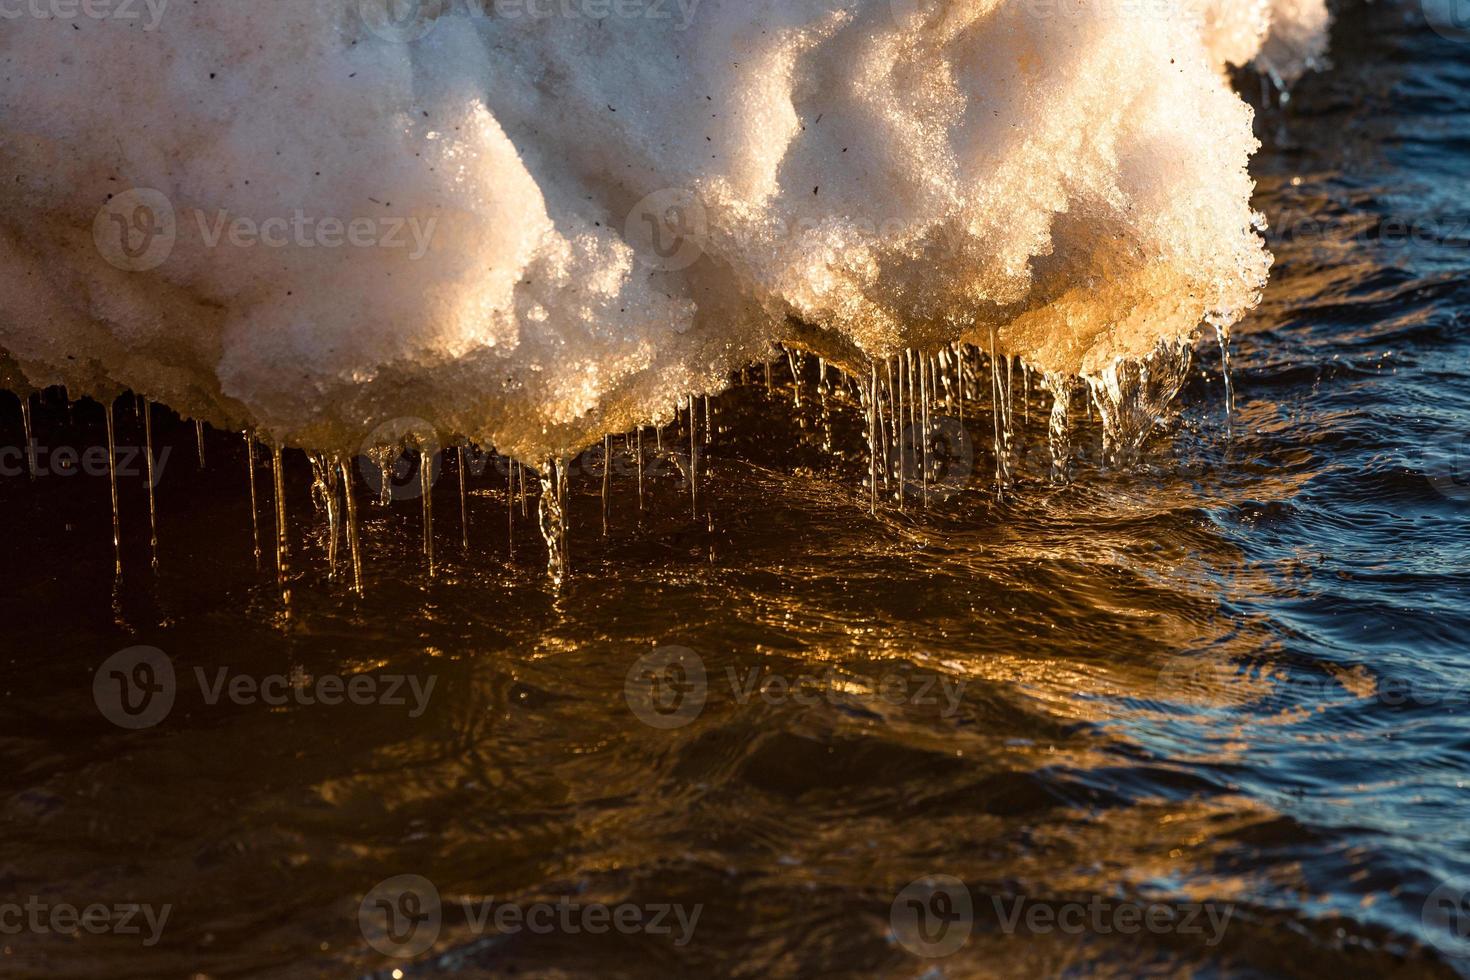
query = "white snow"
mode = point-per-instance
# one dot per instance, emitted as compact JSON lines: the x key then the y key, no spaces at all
{"x":534,"y":221}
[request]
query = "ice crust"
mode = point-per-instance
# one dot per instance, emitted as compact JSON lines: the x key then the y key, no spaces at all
{"x":608,"y":204}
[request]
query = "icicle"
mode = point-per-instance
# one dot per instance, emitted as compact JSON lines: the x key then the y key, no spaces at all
{"x":1059,"y":432}
{"x":999,"y":407}
{"x":324,"y":491}
{"x":1131,"y":396}
{"x":640,"y":473}
{"x":693,"y":462}
{"x":1010,"y":397}
{"x":199,"y":439}
{"x":254,"y":505}
{"x":959,"y":361}
{"x":793,"y":359}
{"x":825,"y":412}
{"x":354,"y":544}
{"x":924,"y":430}
{"x":385,"y":458}
{"x":895,"y":424}
{"x":510,"y":506}
{"x":25,"y":418}
{"x":1222,"y":334}
{"x":709,"y":423}
{"x":872,"y":407}
{"x":553,"y":520}
{"x":901,"y":430}
{"x":283,"y":543}
{"x":464,"y":512}
{"x":426,"y":487}
{"x":152,"y":505}
{"x":606,"y":478}
{"x":522,"y":482}
{"x":112,"y":478}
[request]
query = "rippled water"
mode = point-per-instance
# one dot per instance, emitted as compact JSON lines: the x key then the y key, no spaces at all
{"x":1232,"y":681}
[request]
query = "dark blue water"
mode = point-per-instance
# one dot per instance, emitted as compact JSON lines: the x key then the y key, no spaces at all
{"x":1228,"y":688}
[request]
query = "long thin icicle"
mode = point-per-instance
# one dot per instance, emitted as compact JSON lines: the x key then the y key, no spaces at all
{"x":152,"y":504}
{"x":112,"y":479}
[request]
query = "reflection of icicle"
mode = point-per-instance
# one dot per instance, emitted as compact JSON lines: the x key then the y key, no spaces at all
{"x":554,"y":519}
{"x":354,"y":544}
{"x":112,"y":478}
{"x":254,"y":504}
{"x":152,"y":505}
